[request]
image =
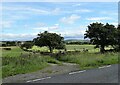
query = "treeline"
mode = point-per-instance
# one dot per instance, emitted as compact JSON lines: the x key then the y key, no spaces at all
{"x":12,"y":43}
{"x":77,"y":43}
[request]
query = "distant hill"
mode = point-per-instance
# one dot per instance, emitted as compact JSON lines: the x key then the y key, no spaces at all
{"x":75,"y":40}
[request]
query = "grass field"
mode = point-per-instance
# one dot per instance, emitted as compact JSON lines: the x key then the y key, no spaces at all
{"x":17,"y":61}
{"x":81,"y":47}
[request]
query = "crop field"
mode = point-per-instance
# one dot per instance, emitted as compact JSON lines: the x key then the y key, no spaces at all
{"x":17,"y":61}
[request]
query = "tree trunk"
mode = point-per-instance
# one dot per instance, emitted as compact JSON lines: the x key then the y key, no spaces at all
{"x":102,"y":49}
{"x":51,"y":49}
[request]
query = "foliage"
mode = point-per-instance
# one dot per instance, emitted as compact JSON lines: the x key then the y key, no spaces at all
{"x":51,"y":40}
{"x":117,"y":45}
{"x":27,"y":45}
{"x":101,"y":35}
{"x":10,"y":43}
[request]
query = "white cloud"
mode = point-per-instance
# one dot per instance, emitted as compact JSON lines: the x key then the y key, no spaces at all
{"x":46,"y":28}
{"x":83,"y":10}
{"x":30,"y":10}
{"x":115,"y":13}
{"x":99,"y":18}
{"x":40,"y":24}
{"x":11,"y":36}
{"x":38,"y":11}
{"x":76,"y":5}
{"x":61,"y":1}
{"x":70,"y":19}
{"x":6,"y":24}
{"x":56,"y":11}
{"x":42,"y":28}
{"x":114,"y":23}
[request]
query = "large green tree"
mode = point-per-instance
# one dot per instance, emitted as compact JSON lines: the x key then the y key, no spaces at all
{"x":101,"y":35}
{"x":117,"y":45}
{"x":51,"y":40}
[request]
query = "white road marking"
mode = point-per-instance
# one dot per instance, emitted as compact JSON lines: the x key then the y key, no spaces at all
{"x":104,"y":66}
{"x":39,"y":79}
{"x":77,"y":72}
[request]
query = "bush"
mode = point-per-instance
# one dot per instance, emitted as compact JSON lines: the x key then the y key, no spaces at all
{"x":7,"y":48}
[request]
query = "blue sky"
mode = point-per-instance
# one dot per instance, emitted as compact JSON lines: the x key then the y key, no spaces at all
{"x":24,"y":20}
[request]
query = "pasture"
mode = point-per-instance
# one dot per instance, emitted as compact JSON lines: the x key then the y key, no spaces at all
{"x":17,"y":61}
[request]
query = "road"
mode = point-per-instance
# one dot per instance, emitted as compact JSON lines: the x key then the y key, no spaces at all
{"x":105,"y":74}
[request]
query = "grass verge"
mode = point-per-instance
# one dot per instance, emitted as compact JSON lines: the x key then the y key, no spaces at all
{"x":91,"y":60}
{"x":20,"y":65}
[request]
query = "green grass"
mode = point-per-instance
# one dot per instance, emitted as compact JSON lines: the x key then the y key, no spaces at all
{"x":14,"y":52}
{"x":17,"y":61}
{"x":90,"y":60}
{"x":42,"y":49}
{"x":20,"y":65}
{"x":70,"y":48}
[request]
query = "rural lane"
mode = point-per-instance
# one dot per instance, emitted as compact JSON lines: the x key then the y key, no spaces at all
{"x":105,"y":74}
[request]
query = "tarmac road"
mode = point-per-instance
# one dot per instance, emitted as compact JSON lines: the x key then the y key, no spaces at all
{"x":105,"y":74}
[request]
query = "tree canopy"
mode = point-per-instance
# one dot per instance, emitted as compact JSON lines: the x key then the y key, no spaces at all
{"x":101,"y":35}
{"x":26,"y":45}
{"x":51,"y":40}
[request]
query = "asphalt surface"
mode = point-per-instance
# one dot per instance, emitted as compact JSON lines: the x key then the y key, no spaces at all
{"x":106,"y":74}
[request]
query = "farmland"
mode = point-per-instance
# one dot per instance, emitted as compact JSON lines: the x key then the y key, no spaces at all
{"x":17,"y":61}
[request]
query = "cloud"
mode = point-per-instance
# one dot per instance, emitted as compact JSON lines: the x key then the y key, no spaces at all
{"x":40,"y":24}
{"x":115,"y":13}
{"x":46,"y":28}
{"x":70,"y":19}
{"x":99,"y":18}
{"x":78,"y":34}
{"x":75,"y":5}
{"x":6,"y":24}
{"x":38,"y":11}
{"x":83,"y":10}
{"x":56,"y":11}
{"x":32,"y":10}
{"x":114,"y":23}
{"x":11,"y":36}
{"x":61,"y":1}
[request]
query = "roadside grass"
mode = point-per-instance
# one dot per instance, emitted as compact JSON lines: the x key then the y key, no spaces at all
{"x":91,"y":60}
{"x":20,"y":65}
{"x":17,"y":61}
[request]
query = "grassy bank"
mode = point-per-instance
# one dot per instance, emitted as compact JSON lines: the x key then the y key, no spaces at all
{"x":90,"y":60}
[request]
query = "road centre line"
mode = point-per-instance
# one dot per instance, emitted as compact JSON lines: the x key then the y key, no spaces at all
{"x":39,"y":79}
{"x":104,"y":66}
{"x":77,"y":72}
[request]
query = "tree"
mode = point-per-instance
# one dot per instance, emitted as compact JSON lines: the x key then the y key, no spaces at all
{"x":117,"y":45}
{"x":51,"y":40}
{"x":26,"y":45}
{"x":10,"y":43}
{"x":100,"y":35}
{"x":118,"y":37}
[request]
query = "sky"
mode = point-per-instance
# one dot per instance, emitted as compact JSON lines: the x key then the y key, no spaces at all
{"x":24,"y":20}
